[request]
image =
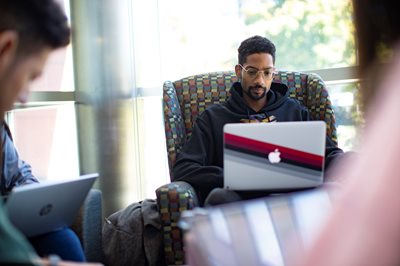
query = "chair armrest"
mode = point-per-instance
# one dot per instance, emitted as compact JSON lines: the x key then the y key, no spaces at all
{"x":172,"y":200}
{"x":88,"y":226}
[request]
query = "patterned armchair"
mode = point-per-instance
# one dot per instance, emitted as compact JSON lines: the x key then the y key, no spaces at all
{"x":184,"y":100}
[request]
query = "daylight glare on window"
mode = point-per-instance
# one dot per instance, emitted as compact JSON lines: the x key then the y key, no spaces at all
{"x":203,"y":36}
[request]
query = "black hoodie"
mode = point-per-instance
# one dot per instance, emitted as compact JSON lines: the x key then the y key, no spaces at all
{"x":201,"y":160}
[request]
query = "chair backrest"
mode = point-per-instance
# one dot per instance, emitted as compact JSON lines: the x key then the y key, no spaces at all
{"x":186,"y":98}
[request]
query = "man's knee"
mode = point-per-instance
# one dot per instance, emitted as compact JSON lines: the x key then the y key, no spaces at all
{"x":221,"y":196}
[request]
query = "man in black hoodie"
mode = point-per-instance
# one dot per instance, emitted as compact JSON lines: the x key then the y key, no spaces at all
{"x":254,"y":98}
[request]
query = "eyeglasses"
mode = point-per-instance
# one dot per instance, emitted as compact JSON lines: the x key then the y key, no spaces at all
{"x":253,"y":72}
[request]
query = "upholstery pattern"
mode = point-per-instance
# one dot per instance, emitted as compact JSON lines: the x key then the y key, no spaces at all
{"x":173,"y":199}
{"x":184,"y":100}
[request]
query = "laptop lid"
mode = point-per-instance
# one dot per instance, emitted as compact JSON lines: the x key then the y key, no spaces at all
{"x":268,"y":231}
{"x":43,"y":207}
{"x":274,"y":156}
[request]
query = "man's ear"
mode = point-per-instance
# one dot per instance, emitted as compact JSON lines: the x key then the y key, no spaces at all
{"x":238,"y":71}
{"x":8,"y":48}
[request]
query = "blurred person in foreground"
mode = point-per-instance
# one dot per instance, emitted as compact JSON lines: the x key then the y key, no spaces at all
{"x":364,"y":226}
{"x":29,"y":31}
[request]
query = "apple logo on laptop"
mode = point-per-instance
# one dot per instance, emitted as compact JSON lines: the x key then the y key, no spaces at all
{"x":274,"y":156}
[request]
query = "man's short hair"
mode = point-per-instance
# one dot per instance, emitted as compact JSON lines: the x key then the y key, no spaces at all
{"x":39,"y":23}
{"x":254,"y":45}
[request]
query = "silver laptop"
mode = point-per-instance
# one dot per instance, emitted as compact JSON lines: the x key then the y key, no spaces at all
{"x":43,"y":207}
{"x":268,"y":231}
{"x":274,"y":156}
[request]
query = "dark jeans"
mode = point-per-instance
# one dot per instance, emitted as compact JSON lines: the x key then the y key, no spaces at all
{"x":64,"y":243}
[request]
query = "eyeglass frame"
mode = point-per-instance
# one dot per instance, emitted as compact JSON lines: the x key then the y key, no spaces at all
{"x":258,"y":71}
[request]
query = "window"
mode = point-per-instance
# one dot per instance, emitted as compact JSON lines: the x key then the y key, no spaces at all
{"x":203,"y":36}
{"x":194,"y":37}
{"x":44,"y":131}
{"x":46,"y":138}
{"x":173,"y":39}
{"x":348,"y":115}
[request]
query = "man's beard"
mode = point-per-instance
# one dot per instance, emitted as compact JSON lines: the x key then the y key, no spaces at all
{"x":254,"y":96}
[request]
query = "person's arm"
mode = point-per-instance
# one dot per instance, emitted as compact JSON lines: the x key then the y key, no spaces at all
{"x":332,"y":151}
{"x":195,"y":163}
{"x":15,"y":171}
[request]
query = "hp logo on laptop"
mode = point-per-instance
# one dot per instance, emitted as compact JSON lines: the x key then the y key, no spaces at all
{"x":46,"y":209}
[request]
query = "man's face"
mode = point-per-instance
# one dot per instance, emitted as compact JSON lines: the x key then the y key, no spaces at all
{"x":16,"y":74}
{"x":256,"y":76}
